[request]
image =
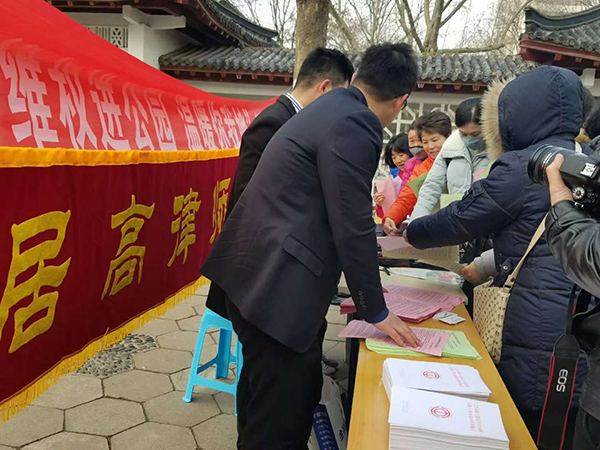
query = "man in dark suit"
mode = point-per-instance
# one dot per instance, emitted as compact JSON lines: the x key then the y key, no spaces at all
{"x":322,"y":70}
{"x":305,"y":216}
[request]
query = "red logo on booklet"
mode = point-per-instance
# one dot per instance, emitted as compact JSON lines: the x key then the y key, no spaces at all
{"x":440,"y":412}
{"x":430,"y":374}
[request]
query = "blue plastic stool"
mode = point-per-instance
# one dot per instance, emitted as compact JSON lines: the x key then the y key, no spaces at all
{"x":223,"y":359}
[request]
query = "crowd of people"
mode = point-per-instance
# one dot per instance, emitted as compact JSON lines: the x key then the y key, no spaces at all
{"x":304,"y":213}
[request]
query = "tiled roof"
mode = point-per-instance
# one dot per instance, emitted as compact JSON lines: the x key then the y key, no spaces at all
{"x":580,"y":31}
{"x":234,"y":20}
{"x":481,"y":68}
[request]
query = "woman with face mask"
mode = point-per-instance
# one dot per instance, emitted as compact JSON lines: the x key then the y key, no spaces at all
{"x":463,"y":160}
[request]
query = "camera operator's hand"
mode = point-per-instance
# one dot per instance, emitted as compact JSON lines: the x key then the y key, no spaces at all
{"x":558,"y":189}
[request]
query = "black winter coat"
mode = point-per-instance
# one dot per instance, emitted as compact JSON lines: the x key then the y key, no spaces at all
{"x":543,"y":106}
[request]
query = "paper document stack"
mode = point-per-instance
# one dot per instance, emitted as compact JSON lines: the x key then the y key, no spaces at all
{"x":421,"y":420}
{"x":454,"y":379}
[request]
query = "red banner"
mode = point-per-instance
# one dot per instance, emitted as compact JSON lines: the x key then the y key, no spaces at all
{"x":93,"y":240}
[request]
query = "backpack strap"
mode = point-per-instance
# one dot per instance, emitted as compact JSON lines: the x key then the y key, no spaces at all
{"x":510,"y":281}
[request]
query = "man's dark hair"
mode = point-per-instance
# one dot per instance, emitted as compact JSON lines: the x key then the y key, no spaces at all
{"x":398,"y":144}
{"x":468,"y":111}
{"x":435,"y":122}
{"x":325,"y":64}
{"x":388,"y":71}
{"x":592,"y":124}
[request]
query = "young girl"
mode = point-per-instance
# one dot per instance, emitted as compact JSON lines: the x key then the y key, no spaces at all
{"x":463,"y":159}
{"x":396,"y":154}
{"x":433,"y":128}
{"x":416,"y":148}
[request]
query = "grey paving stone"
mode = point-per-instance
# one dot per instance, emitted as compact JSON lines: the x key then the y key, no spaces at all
{"x":157,"y":327}
{"x":203,"y":290}
{"x":334,"y":316}
{"x":117,"y":358}
{"x":180,"y":380}
{"x":179,"y":312}
{"x":31,"y":424}
{"x":329,"y":344}
{"x":69,"y":441}
{"x":154,"y":436}
{"x":3,"y":447}
{"x":218,"y":433}
{"x":333,"y":330}
{"x":337,"y":352}
{"x":104,"y":417}
{"x":194,"y":301}
{"x":163,"y":360}
{"x":71,"y":390}
{"x":226,"y":402}
{"x":180,"y":340}
{"x":200,"y":309}
{"x":137,"y":385}
{"x":171,"y":409}
{"x":190,"y":324}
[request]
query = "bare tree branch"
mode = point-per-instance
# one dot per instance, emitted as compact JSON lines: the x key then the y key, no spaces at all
{"x":339,"y":20}
{"x":427,"y":13}
{"x":404,"y":8}
{"x":514,"y":17}
{"x":453,"y":12}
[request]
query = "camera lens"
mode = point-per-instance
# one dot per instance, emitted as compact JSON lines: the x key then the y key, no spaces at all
{"x":540,"y":160}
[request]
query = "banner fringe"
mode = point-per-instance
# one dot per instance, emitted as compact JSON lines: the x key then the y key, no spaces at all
{"x":22,"y":399}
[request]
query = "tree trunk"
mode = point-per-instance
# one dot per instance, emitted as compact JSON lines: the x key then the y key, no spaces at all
{"x":312,"y":17}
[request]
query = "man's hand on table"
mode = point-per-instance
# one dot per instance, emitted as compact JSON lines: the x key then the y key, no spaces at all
{"x":395,"y":328}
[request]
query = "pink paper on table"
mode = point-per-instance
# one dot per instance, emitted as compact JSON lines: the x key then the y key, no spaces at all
{"x":433,"y":342}
{"x":386,"y":187}
{"x":446,"y":302}
{"x":412,"y":304}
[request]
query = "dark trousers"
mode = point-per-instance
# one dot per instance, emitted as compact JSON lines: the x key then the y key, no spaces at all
{"x":532,"y":420}
{"x":277,"y":391}
{"x":587,"y":432}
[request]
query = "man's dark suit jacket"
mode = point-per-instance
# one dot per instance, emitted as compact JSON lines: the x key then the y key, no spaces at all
{"x":254,"y":142}
{"x":305,"y":215}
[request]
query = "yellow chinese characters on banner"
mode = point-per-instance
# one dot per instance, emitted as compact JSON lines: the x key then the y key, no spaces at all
{"x":123,"y":267}
{"x":45,"y":276}
{"x":220,"y":197}
{"x":185,"y":209}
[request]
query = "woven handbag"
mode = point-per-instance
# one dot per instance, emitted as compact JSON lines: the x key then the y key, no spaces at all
{"x":490,"y":302}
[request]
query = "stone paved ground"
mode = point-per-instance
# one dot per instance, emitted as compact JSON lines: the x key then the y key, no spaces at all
{"x":129,"y":397}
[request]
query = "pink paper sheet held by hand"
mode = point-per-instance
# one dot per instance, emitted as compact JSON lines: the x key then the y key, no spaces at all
{"x":433,"y":341}
{"x":391,"y":243}
{"x":386,"y":187}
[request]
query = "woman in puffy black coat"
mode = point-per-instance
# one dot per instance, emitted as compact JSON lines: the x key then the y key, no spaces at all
{"x":544,"y":106}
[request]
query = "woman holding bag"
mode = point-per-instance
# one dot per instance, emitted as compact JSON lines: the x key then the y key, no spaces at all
{"x":543,"y":106}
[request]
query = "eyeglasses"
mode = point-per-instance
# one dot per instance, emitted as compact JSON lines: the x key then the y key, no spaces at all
{"x":405,"y":103}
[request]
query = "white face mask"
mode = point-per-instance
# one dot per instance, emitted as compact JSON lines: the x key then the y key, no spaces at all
{"x":474,"y":144}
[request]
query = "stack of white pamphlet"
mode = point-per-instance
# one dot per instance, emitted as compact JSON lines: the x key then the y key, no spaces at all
{"x":421,"y":420}
{"x":453,"y":379}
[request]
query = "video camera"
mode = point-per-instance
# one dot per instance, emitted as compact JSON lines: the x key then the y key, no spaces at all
{"x":581,"y":173}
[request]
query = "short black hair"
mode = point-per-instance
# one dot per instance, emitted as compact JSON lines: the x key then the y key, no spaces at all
{"x":435,"y":122}
{"x":388,"y":71}
{"x":592,"y":124}
{"x":468,"y":111}
{"x":325,"y":64}
{"x":398,"y":144}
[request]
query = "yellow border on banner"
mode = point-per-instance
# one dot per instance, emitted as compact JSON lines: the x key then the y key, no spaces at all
{"x":48,"y":157}
{"x":68,"y":364}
